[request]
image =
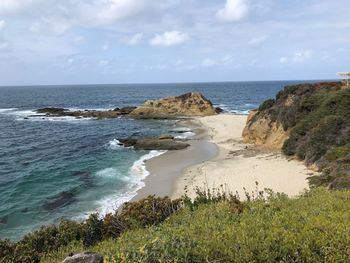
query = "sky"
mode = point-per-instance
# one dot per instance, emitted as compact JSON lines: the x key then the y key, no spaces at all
{"x":161,"y":41}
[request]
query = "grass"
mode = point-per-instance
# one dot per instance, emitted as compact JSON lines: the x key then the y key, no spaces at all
{"x":311,"y":228}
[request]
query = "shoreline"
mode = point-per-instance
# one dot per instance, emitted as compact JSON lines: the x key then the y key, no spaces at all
{"x":165,"y":169}
{"x":218,"y":158}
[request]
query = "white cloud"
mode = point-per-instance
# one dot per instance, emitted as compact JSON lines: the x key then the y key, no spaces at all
{"x":135,"y":39}
{"x":105,"y":47}
{"x":283,"y":60}
{"x":4,"y":45}
{"x":102,"y":12}
{"x":55,"y":24}
{"x":257,"y":41}
{"x":170,"y":38}
{"x":234,"y":10}
{"x":208,"y":62}
{"x":302,"y":56}
{"x":2,"y":24}
{"x":13,"y":6}
{"x":298,"y":57}
{"x":103,"y":63}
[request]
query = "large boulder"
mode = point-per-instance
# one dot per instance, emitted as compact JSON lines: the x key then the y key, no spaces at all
{"x":85,"y":257}
{"x":189,"y":104}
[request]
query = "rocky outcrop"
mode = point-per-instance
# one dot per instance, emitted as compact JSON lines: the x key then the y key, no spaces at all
{"x":85,"y":257}
{"x":263,"y":131}
{"x":163,"y":142}
{"x":189,"y":104}
{"x":61,"y":112}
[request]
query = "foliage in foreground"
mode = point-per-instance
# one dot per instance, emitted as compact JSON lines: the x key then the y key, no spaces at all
{"x":318,"y":118}
{"x":311,"y":228}
{"x":147,"y":212}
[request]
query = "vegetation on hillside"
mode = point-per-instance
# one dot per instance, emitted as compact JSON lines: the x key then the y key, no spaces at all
{"x":311,"y":228}
{"x":214,"y":227}
{"x":318,"y":118}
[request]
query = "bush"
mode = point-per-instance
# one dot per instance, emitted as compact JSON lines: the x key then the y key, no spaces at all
{"x":146,"y":212}
{"x":266,"y":104}
{"x":311,"y":228}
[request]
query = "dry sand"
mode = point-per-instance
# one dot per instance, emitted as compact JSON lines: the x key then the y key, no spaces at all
{"x":238,"y":166}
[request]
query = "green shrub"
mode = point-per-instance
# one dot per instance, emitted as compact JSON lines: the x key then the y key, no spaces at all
{"x":311,"y":228}
{"x":266,"y":104}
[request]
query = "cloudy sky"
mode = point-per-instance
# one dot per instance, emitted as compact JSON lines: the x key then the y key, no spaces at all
{"x":136,"y":41}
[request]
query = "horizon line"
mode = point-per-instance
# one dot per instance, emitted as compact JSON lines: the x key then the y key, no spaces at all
{"x":163,"y":83}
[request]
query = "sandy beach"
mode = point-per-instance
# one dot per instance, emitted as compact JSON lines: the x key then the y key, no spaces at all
{"x":238,"y":166}
{"x":217,"y":157}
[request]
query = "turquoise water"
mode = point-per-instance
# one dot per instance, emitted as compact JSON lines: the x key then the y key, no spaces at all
{"x":67,"y":168}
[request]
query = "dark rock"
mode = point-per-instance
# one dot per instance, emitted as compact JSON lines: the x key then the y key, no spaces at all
{"x":3,"y":220}
{"x":157,"y":143}
{"x":85,"y":177}
{"x":54,"y":111}
{"x":126,"y":110}
{"x":63,"y":199}
{"x":218,"y":110}
{"x":85,"y":257}
{"x":166,"y":137}
{"x":127,"y":142}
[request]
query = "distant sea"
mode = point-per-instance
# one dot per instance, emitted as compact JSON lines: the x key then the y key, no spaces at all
{"x":67,"y":168}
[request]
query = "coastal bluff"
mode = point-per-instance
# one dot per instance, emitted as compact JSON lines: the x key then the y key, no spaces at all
{"x":186,"y":105}
{"x":311,"y":123}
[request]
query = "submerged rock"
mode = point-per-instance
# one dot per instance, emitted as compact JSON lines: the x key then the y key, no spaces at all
{"x":3,"y":220}
{"x":85,"y":177}
{"x":85,"y":257}
{"x":189,"y":104}
{"x":63,"y":199}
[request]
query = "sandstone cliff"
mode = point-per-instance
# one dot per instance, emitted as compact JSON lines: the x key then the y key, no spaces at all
{"x":189,"y":104}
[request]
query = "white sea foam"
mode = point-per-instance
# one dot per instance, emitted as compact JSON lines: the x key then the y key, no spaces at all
{"x":136,"y":175}
{"x":138,"y":169}
{"x":108,"y":172}
{"x":114,"y":145}
{"x":34,"y":116}
{"x":185,"y":135}
{"x":7,"y":110}
{"x":226,"y":108}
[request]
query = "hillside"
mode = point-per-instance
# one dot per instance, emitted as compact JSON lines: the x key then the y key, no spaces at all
{"x":311,"y":122}
{"x":312,"y":228}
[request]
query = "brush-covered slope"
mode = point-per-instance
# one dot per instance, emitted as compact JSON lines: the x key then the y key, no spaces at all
{"x":312,"y":122}
{"x":311,"y":228}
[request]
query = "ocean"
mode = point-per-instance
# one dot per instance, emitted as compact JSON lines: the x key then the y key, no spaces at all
{"x":66,"y":168}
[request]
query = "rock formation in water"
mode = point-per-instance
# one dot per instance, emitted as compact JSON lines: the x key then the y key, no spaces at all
{"x":61,"y":112}
{"x":163,"y":142}
{"x":189,"y":104}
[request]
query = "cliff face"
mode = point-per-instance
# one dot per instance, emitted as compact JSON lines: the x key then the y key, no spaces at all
{"x":189,"y":104}
{"x":310,"y":121}
{"x":263,"y":131}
